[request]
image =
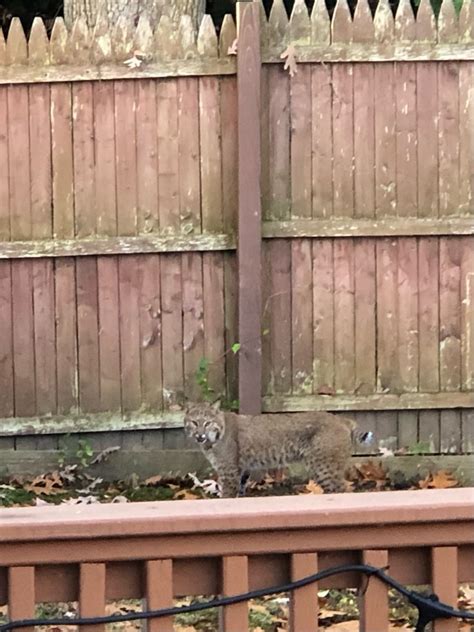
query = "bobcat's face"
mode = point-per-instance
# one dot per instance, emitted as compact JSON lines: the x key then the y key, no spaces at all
{"x":204,"y":423}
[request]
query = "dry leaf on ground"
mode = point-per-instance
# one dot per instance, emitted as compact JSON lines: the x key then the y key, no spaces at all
{"x":46,"y":484}
{"x":438,"y":480}
{"x":153,"y":480}
{"x":312,"y":487}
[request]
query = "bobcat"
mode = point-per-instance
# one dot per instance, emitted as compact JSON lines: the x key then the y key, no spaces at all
{"x":237,"y":444}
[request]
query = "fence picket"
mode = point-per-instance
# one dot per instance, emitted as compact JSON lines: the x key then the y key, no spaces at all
{"x":207,"y":43}
{"x":80,"y":42}
{"x":59,"y":43}
{"x":425,"y":22}
{"x":300,"y":25}
{"x":187,"y":38}
{"x":448,"y":27}
{"x":166,"y":43}
{"x":38,"y":44}
{"x":17,"y":49}
{"x":466,"y":22}
{"x":227,"y":36}
{"x":320,"y":23}
{"x":278,"y":25}
{"x":384,"y":23}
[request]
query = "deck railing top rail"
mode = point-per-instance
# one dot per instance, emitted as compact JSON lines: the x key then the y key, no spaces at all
{"x":248,"y":514}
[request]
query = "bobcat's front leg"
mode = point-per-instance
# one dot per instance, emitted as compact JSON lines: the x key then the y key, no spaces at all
{"x":230,"y":484}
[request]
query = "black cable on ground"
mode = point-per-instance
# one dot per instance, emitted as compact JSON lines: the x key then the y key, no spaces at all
{"x":429,"y":607}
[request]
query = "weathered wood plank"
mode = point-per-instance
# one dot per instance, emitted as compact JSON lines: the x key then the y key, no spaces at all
{"x":376,"y":401}
{"x":302,"y":316}
{"x":168,"y":155}
{"x":84,"y":162}
{"x":322,"y":147}
{"x":429,"y":430}
{"x":323,"y":315}
{"x":387,"y":315}
{"x":213,"y":293}
{"x":147,"y":151}
{"x":428,"y":314}
{"x":344,"y":334}
{"x":229,"y":148}
{"x":172,"y":329}
{"x":129,"y":333}
{"x":115,"y":246}
{"x":211,"y":163}
{"x":365,"y":316}
{"x":450,"y":252}
{"x":193,"y":322}
{"x":126,"y":157}
{"x":189,"y":156}
{"x":408,"y":314}
{"x":300,"y":143}
{"x":4,"y":175}
{"x":250,"y":217}
{"x":23,"y":338}
{"x":448,"y":138}
{"x":6,"y":341}
{"x":363,"y":227}
{"x":109,"y":336}
{"x":62,"y":161}
{"x":66,"y":336}
{"x":104,"y":149}
{"x":150,"y":332}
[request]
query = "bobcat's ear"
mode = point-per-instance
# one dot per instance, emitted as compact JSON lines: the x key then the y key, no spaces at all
{"x":216,"y":405}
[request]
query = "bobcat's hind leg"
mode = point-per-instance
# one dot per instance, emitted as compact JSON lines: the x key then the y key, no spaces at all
{"x":331,"y":481}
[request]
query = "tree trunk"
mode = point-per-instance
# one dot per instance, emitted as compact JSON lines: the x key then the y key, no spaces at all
{"x":133,"y":8}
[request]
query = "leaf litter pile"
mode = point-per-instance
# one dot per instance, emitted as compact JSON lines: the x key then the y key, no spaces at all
{"x":338,"y":609}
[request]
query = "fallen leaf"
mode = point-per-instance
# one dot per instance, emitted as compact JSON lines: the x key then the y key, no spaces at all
{"x":46,"y":484}
{"x":440,"y":480}
{"x":102,"y":456}
{"x":326,"y":390}
{"x":385,"y":452}
{"x":153,"y":480}
{"x":313,"y":488}
{"x":232,"y":50}
{"x":372,"y":471}
{"x":289,"y":55}
{"x":185,"y":494}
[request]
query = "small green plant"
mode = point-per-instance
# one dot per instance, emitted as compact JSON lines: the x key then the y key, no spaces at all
{"x":420,"y":447}
{"x":80,"y":453}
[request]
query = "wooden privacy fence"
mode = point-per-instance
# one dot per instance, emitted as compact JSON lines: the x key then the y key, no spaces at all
{"x":123,"y":193}
{"x":161,"y":551}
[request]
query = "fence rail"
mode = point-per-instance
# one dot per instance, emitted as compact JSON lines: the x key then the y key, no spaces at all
{"x":160,"y":551}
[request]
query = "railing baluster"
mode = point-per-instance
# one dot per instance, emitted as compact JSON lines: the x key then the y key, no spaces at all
{"x":92,"y":594}
{"x":374,"y":598}
{"x":159,"y":593}
{"x":235,"y":580}
{"x":21,"y":593}
{"x":304,"y":601}
{"x":444,"y":573}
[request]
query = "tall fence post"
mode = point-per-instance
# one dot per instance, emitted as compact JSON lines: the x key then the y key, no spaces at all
{"x":250,"y":212}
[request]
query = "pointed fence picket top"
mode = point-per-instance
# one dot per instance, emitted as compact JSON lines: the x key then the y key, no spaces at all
{"x":166,"y":41}
{"x":80,"y":41}
{"x":3,"y":49}
{"x":38,"y":44}
{"x":122,"y":39}
{"x":383,"y":22}
{"x":466,"y":22}
{"x":300,"y":25}
{"x":59,"y":43}
{"x":207,"y":43}
{"x":405,"y":27}
{"x":143,"y":42}
{"x":320,"y":23}
{"x":278,"y":25}
{"x":425,"y":22}
{"x":102,"y":50}
{"x":341,"y":27}
{"x":228,"y":35}
{"x":263,"y":25}
{"x":363,"y":24}
{"x":448,"y":26}
{"x":17,"y":50}
{"x":187,"y":38}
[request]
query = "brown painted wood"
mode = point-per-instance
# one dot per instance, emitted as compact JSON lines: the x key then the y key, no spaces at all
{"x":168,"y":154}
{"x":23,"y":338}
{"x":322,"y":149}
{"x":92,"y":593}
{"x":344,"y":334}
{"x":235,"y":580}
{"x":40,"y":161}
{"x":444,"y":569}
{"x":387,"y":315}
{"x":301,"y":316}
{"x":365,"y":316}
{"x":4,"y":176}
{"x":279,"y":198}
{"x":213,"y":292}
{"x":228,"y":106}
{"x":304,"y":601}
{"x":448,"y":139}
{"x":172,"y":328}
{"x":408,"y":314}
{"x":159,"y":592}
{"x":19,"y":167}
{"x":427,"y":127}
{"x":343,"y":140}
{"x":211,"y":162}
{"x":450,"y":314}
{"x":126,"y":157}
{"x":249,"y":227}
{"x":428,"y":314}
{"x":374,"y":596}
{"x":300,"y":147}
{"x":279,"y":302}
{"x":21,"y":593}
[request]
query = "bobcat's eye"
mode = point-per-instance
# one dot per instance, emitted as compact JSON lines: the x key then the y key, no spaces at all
{"x":193,"y":423}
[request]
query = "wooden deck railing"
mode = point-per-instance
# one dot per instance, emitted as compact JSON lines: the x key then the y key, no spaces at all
{"x":159,"y":551}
